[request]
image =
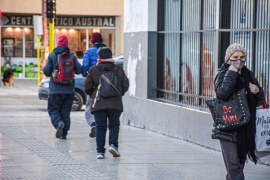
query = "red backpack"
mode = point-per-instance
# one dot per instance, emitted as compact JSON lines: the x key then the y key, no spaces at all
{"x":63,"y":72}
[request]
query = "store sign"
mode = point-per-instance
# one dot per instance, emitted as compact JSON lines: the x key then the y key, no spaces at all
{"x":85,"y":21}
{"x":92,"y":21}
{"x":19,"y":20}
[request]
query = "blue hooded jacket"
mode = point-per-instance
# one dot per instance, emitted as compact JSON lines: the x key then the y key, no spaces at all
{"x":90,"y":58}
{"x":55,"y":88}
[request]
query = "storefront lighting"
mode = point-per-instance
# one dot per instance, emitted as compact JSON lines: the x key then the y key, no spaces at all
{"x":96,"y":30}
{"x":57,"y":30}
{"x":64,"y":30}
{"x":9,"y":29}
{"x":17,"y":29}
{"x":71,"y":30}
{"x":26,"y":29}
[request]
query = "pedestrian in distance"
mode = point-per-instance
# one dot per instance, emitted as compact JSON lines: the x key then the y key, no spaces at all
{"x":233,"y":75}
{"x":106,"y":109}
{"x":90,"y":59}
{"x":61,"y":95}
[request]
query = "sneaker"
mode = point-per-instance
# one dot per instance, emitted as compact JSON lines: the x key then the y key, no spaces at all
{"x":93,"y":132}
{"x":63,"y":137}
{"x":114,"y":151}
{"x":100,"y":156}
{"x":59,"y":131}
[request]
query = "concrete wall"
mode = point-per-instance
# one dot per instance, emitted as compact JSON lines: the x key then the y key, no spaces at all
{"x":19,"y":6}
{"x":140,"y":108}
{"x":67,"y":7}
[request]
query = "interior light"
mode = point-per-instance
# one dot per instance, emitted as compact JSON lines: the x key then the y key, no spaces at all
{"x":64,"y":30}
{"x":9,"y":29}
{"x":71,"y":30}
{"x":96,"y":30}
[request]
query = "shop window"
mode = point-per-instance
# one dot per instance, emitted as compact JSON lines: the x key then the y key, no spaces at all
{"x":76,"y":39}
{"x":29,"y":43}
{"x":15,"y":35}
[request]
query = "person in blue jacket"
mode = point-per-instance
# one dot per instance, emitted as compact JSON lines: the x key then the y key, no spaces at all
{"x":60,"y":96}
{"x":90,"y":59}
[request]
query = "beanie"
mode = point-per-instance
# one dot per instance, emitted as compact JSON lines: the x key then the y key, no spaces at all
{"x":104,"y":53}
{"x":96,"y":38}
{"x":235,"y":47}
{"x":62,"y":40}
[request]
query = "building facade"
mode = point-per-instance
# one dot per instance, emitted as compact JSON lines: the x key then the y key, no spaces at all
{"x":173,"y":49}
{"x":76,"y":20}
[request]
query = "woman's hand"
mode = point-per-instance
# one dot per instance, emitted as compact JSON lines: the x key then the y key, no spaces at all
{"x":253,"y":88}
{"x":233,"y":68}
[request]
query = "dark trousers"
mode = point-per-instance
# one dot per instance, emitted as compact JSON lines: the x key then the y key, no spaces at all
{"x":102,"y":117}
{"x":234,"y":167}
{"x":59,"y":107}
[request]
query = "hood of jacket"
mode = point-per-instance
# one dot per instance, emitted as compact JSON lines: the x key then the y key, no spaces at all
{"x":61,"y":49}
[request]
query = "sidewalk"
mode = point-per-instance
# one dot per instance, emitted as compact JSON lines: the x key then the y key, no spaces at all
{"x":29,"y":149}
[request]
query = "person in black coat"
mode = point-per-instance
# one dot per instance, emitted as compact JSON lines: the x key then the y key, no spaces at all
{"x":105,"y":108}
{"x":234,"y":75}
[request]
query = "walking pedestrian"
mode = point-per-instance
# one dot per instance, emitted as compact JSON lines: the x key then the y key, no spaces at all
{"x":234,"y":75}
{"x":90,"y":59}
{"x":106,"y":108}
{"x":60,"y":96}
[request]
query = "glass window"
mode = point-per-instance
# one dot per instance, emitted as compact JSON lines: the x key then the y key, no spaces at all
{"x":17,"y":35}
{"x":262,"y":55}
{"x":77,"y":39}
{"x":29,"y":42}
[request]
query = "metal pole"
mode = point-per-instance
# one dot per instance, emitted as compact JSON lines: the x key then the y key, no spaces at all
{"x":51,"y":36}
{"x":0,"y":53}
{"x":38,"y":58}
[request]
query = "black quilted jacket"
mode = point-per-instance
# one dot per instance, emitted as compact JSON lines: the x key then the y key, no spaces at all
{"x":225,"y":82}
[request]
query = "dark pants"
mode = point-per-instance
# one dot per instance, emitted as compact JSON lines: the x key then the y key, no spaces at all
{"x":234,"y":167}
{"x":59,"y":107}
{"x":101,"y":117}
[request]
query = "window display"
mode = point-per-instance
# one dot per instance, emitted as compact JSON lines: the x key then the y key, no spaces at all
{"x":13,"y":55}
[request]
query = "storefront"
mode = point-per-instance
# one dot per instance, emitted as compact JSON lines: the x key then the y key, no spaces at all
{"x":19,"y":42}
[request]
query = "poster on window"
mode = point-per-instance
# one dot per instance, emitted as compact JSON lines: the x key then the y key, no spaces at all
{"x":8,"y":47}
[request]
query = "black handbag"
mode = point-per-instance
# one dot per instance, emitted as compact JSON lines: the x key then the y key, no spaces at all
{"x":230,"y":114}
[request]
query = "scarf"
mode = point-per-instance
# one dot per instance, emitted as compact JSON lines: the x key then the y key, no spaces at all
{"x":104,"y":60}
{"x":246,"y":134}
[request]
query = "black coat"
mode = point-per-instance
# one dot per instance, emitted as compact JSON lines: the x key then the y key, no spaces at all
{"x":92,"y":81}
{"x":225,"y":82}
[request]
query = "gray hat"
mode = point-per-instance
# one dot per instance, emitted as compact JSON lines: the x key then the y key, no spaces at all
{"x":234,"y":48}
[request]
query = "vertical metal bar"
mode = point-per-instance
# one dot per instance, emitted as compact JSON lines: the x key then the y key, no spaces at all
{"x":38,"y":59}
{"x":216,"y":48}
{"x":253,"y":46}
{"x":0,"y":52}
{"x":23,"y":43}
{"x":202,"y":64}
{"x":51,"y":36}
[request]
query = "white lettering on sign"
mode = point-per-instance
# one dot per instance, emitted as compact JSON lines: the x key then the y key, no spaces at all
{"x":21,"y":20}
{"x":78,"y":22}
{"x":111,"y":22}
